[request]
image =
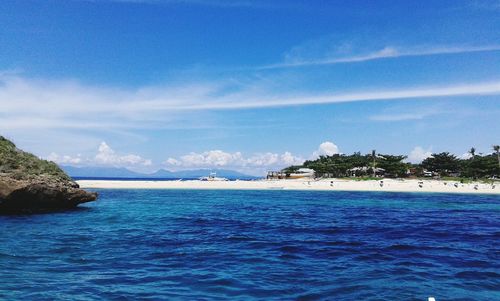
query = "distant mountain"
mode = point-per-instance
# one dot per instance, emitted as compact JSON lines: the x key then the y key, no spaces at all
{"x":162,"y":173}
{"x":100,"y":172}
{"x":112,"y":172}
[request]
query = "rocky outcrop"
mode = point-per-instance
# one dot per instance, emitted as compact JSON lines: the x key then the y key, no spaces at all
{"x":29,"y":184}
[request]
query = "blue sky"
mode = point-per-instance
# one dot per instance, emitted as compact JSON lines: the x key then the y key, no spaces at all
{"x":247,"y":85}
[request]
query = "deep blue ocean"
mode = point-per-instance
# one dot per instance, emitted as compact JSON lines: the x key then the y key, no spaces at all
{"x":256,"y":245}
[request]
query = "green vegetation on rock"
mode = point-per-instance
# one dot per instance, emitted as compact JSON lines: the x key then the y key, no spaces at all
{"x":29,"y":184}
{"x":22,"y":165}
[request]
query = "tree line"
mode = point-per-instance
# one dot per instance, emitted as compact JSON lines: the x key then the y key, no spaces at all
{"x":442,"y":164}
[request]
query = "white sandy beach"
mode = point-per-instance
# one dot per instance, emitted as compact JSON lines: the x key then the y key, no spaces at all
{"x":394,"y":185}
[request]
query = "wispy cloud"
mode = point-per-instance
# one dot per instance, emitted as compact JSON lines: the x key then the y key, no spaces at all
{"x":384,"y":53}
{"x":249,"y":101}
{"x":216,"y":3}
{"x":399,"y":117}
{"x":415,"y":114}
{"x":493,"y":5}
{"x":26,"y":103}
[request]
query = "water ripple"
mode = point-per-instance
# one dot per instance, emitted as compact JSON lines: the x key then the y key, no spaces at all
{"x":256,"y":245}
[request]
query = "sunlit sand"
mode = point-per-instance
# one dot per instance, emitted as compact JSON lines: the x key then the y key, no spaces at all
{"x":395,"y":185}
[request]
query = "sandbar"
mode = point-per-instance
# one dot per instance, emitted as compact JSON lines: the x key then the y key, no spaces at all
{"x":388,"y":185}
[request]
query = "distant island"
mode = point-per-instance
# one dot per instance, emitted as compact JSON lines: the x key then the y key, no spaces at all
{"x":439,"y":173}
{"x":115,"y":172}
{"x":29,"y":184}
{"x":357,"y":165}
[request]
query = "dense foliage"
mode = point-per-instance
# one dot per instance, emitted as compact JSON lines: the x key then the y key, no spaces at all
{"x":340,"y":165}
{"x":22,"y":164}
{"x":481,"y":166}
{"x":445,"y":164}
{"x":438,"y":164}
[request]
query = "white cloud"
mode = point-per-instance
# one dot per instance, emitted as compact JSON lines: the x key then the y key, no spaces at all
{"x":418,"y":154}
{"x":292,"y":60}
{"x":483,"y":5}
{"x":65,"y":159}
{"x":210,"y":158}
{"x":216,"y":3}
{"x":174,"y":162}
{"x":219,"y":158}
{"x":264,"y":159}
{"x":418,"y":112}
{"x":326,"y":148}
{"x":290,"y":159}
{"x":403,"y":116}
{"x":30,"y":104}
{"x":256,"y":163}
{"x":105,"y":156}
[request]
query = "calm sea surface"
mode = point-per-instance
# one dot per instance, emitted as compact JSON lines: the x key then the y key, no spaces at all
{"x":256,"y":245}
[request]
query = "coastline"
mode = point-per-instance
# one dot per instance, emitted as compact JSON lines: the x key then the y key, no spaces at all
{"x":385,"y":185}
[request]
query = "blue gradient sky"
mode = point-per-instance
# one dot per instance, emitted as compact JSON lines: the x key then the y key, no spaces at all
{"x":248,"y":85}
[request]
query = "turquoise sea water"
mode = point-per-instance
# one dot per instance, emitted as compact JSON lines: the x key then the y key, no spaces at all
{"x":256,"y":245}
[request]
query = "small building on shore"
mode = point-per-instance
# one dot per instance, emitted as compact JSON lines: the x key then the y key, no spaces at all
{"x":366,"y":171}
{"x":301,"y":173}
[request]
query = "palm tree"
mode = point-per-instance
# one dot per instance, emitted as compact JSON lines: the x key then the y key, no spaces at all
{"x":374,"y":156}
{"x":496,"y":148}
{"x":472,"y":151}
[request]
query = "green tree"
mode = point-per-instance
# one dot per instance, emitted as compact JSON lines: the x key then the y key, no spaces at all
{"x":374,"y":161}
{"x":481,"y":166}
{"x":341,"y":165}
{"x":443,"y":163}
{"x":496,"y":148}
{"x":394,"y":165}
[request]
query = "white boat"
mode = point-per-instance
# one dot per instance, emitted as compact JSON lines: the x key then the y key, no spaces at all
{"x":213,"y":177}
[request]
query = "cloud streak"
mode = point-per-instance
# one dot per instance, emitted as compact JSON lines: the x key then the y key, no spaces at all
{"x":215,"y":3}
{"x":418,"y":113}
{"x":384,"y":53}
{"x":26,"y":104}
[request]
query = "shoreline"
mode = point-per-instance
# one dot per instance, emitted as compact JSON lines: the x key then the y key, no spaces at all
{"x":383,"y":185}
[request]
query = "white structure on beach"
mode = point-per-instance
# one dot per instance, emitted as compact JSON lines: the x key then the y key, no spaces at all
{"x":356,"y":171}
{"x":302,"y":173}
{"x":213,"y":177}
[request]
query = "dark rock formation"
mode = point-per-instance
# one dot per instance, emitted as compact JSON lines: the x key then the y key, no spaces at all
{"x":29,"y":184}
